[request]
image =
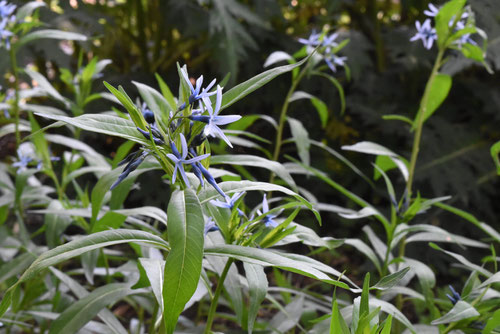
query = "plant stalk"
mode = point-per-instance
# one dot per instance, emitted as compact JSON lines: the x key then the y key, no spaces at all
{"x":215,"y":299}
{"x":13,"y":62}
{"x":420,"y":121}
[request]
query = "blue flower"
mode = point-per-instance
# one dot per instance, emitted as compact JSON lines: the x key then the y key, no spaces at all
{"x":432,"y":11}
{"x":269,"y":218}
{"x":210,"y":226}
{"x":464,"y":38}
{"x":210,"y":179}
{"x":329,"y":42}
{"x":180,"y":158}
{"x":213,"y":119}
{"x":6,"y":9}
{"x":312,"y":41}
{"x":134,"y":160}
{"x":23,"y":160}
{"x":197,"y":93}
{"x":333,"y":59}
{"x":230,"y":202}
{"x":5,"y":34}
{"x":455,"y":296}
{"x":426,"y":33}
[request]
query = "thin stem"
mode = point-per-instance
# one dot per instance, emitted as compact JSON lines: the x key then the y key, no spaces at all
{"x":13,"y":62}
{"x":215,"y":299}
{"x":420,"y":120}
{"x":284,"y":109}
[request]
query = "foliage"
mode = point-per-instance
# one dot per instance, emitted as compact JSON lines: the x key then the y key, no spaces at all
{"x":236,"y":240}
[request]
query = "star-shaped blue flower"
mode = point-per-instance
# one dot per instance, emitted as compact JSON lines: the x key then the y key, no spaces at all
{"x":213,"y":119}
{"x":6,"y":9}
{"x":180,"y":158}
{"x":269,"y":218}
{"x":333,"y":59}
{"x":426,"y":33}
{"x":229,"y":202}
{"x":5,"y":34}
{"x":197,"y":93}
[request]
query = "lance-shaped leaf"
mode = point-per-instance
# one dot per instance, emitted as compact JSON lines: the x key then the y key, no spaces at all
{"x":461,"y":310}
{"x":183,"y":265}
{"x":78,"y":247}
{"x":51,"y":34}
{"x":257,"y":286}
{"x":84,"y":310}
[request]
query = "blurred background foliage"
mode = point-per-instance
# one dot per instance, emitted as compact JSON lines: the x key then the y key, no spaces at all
{"x":388,"y":75}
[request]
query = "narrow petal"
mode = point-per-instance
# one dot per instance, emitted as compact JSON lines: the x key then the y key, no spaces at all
{"x":186,"y":78}
{"x":184,"y":176}
{"x":184,"y":147}
{"x":223,"y":120}
{"x":218,"y":100}
{"x":265,"y":206}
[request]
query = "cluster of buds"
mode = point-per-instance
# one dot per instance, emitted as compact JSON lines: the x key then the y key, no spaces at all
{"x":182,"y":129}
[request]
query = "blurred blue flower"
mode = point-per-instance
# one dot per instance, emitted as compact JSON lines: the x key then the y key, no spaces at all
{"x":454,"y":297}
{"x":23,"y":161}
{"x":464,"y":38}
{"x":432,"y":11}
{"x":210,"y":226}
{"x":329,"y":42}
{"x":213,"y":119}
{"x":6,"y":10}
{"x":180,"y":158}
{"x":5,"y":34}
{"x":197,"y":93}
{"x":426,"y":33}
{"x":333,"y":59}
{"x":269,"y":218}
{"x":312,"y":41}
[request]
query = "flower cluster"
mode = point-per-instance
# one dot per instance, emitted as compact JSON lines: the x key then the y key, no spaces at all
{"x":327,"y":48}
{"x":168,"y":137}
{"x":428,"y":34}
{"x":6,"y":17}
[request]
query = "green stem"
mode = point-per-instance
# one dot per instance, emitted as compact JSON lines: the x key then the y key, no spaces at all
{"x":420,"y":120}
{"x":284,"y":109}
{"x":215,"y":299}
{"x":13,"y":62}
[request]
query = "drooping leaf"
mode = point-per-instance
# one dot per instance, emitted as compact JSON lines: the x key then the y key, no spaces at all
{"x":85,"y":309}
{"x":391,"y":280}
{"x":50,"y":34}
{"x":257,"y":286}
{"x":461,"y":310}
{"x":301,"y":138}
{"x":183,"y":265}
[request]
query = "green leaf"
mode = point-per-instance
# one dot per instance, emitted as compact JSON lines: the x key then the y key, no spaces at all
{"x":337,"y":322}
{"x":495,"y":151}
{"x":492,"y":323}
{"x":440,"y":87}
{"x":257,"y":289}
{"x":266,"y":257}
{"x":155,"y":269}
{"x":28,"y":9}
{"x":110,"y":220}
{"x":240,"y":91}
{"x":448,"y":11}
{"x":255,"y":161}
{"x":391,"y":280}
{"x":106,"y":315}
{"x":337,"y":85}
{"x":50,"y":34}
{"x":166,"y":92}
{"x":106,"y":124}
{"x":125,"y":100}
{"x":78,"y":247}
{"x":55,"y":224}
{"x":85,"y":309}
{"x":387,"y":327}
{"x":301,"y":139}
{"x":183,"y":265}
{"x":154,"y":100}
{"x":365,"y":296}
{"x":460,"y":258}
{"x":461,"y":310}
